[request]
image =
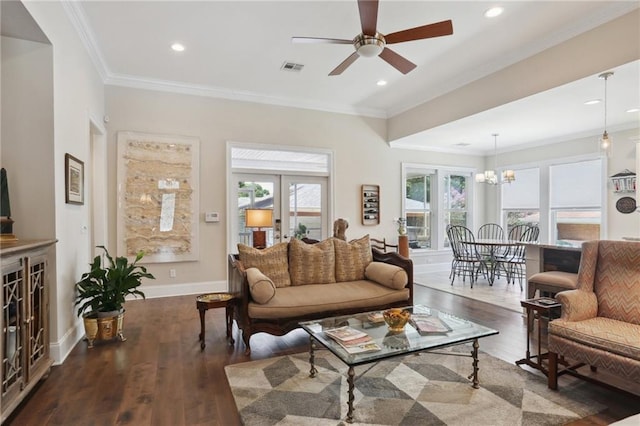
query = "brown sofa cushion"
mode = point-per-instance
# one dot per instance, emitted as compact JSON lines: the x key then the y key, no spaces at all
{"x":311,"y":263}
{"x":271,"y":261}
{"x":352,"y":258}
{"x":388,"y":275}
{"x":261,"y":287}
{"x":293,"y":302}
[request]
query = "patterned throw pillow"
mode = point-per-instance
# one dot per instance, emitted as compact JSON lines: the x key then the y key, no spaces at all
{"x":271,"y":261}
{"x":352,"y":258}
{"x":311,"y":263}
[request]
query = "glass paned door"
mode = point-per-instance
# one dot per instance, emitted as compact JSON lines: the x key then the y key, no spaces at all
{"x":305,"y":211}
{"x":253,"y":192}
{"x":299,"y":203}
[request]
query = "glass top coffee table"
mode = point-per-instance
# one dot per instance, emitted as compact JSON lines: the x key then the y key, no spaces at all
{"x":382,"y":343}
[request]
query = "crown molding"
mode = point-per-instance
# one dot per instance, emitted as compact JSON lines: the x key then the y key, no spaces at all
{"x":235,"y":95}
{"x":78,"y":19}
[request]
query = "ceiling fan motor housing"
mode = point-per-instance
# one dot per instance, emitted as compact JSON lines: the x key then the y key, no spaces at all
{"x":369,"y":46}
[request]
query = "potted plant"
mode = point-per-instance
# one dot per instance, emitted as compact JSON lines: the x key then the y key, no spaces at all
{"x":101,"y":294}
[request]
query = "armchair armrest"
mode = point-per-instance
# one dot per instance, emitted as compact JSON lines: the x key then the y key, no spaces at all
{"x":578,"y":305}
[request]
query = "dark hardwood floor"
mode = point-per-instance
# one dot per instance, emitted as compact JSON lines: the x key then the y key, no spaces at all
{"x":159,"y":376}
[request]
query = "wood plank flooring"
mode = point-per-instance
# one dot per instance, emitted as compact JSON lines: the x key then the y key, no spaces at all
{"x":159,"y":376}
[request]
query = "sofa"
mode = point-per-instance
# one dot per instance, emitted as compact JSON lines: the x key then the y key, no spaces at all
{"x":278,"y":287}
{"x":600,"y":321}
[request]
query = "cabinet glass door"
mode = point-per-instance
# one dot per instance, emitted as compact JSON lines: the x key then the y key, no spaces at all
{"x":12,"y":312}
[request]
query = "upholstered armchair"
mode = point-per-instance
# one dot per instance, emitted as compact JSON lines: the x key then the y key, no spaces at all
{"x":600,"y":321}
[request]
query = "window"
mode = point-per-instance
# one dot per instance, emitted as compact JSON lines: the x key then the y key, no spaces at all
{"x":575,"y":201}
{"x":521,"y":199}
{"x":433,"y":198}
{"x":418,"y":187}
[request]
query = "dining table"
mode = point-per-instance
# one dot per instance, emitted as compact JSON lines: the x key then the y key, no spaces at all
{"x":494,"y":248}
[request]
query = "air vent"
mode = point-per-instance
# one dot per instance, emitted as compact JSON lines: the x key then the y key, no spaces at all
{"x":462,"y":144}
{"x":291,"y":66}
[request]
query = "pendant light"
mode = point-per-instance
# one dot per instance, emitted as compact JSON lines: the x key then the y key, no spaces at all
{"x":605,"y":140}
{"x":490,"y":177}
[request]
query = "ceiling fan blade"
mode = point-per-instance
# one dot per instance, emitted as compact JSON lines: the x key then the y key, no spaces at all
{"x":345,"y":64}
{"x":368,"y":16}
{"x":398,"y":62}
{"x":313,"y":40}
{"x":438,"y":29}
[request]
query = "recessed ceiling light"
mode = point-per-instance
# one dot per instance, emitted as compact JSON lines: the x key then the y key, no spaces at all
{"x":593,"y":102}
{"x":381,"y":83}
{"x":634,"y":110}
{"x":493,"y":12}
{"x":177,"y":47}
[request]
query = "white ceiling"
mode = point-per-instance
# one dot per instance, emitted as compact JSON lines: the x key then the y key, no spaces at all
{"x":235,"y":49}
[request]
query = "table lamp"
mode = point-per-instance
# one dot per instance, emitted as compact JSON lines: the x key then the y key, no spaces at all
{"x":259,"y":218}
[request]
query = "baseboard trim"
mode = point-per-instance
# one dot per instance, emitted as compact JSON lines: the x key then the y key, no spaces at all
{"x":61,"y":349}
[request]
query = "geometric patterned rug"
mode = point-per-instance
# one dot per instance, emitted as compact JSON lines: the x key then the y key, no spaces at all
{"x":424,"y":389}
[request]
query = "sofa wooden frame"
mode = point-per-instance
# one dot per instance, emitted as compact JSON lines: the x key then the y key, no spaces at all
{"x":239,"y":286}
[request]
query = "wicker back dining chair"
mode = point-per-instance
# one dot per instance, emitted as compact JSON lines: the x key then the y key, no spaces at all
{"x":466,"y":260}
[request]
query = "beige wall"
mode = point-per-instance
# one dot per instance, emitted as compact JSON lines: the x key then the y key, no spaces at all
{"x":361,"y":157}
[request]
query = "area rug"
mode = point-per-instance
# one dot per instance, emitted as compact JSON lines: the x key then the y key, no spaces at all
{"x":425,"y":389}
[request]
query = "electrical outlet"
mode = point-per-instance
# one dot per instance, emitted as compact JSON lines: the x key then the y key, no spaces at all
{"x":172,"y":273}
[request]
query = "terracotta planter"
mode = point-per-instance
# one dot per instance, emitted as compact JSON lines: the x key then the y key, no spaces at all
{"x":104,"y":326}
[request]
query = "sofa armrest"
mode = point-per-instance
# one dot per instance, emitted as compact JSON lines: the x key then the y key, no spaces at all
{"x":239,"y":287}
{"x":578,"y":305}
{"x":394,"y":258}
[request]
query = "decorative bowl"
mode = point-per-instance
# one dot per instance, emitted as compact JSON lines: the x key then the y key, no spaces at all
{"x":396,"y":318}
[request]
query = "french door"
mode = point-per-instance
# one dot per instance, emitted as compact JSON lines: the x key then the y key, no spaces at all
{"x":299,"y":204}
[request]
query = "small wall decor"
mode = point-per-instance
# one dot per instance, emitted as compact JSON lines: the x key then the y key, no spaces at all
{"x":158,"y":191}
{"x":625,"y":181}
{"x":370,"y":204}
{"x":626,"y":205}
{"x":73,"y":180}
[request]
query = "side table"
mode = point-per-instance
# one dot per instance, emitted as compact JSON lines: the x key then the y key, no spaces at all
{"x":540,"y":310}
{"x":216,"y":300}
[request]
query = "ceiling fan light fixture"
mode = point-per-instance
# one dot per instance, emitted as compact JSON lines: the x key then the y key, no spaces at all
{"x":369,"y":46}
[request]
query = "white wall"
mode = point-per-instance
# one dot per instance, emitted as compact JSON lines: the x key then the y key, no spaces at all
{"x":361,"y":157}
{"x":78,"y":95}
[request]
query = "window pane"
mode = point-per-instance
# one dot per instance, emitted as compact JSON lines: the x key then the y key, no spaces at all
{"x":574,"y":226}
{"x":419,"y":229}
{"x":253,"y":195}
{"x":266,"y":159}
{"x":305,"y":216}
{"x":455,"y":192}
{"x":521,"y":217}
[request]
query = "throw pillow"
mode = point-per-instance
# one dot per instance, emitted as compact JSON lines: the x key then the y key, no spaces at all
{"x":271,"y":261}
{"x":261,"y":287}
{"x":352,"y":258}
{"x":391,"y":276}
{"x":311,"y":263}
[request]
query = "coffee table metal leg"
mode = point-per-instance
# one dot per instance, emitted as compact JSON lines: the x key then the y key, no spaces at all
{"x":312,"y":348}
{"x":474,"y":355}
{"x":350,"y":375}
{"x":202,"y":344}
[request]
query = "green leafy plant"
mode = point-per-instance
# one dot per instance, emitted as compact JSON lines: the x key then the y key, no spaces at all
{"x":301,"y":231}
{"x":103,"y":289}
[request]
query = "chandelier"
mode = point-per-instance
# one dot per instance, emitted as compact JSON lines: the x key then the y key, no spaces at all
{"x":605,"y":141}
{"x":490,"y":177}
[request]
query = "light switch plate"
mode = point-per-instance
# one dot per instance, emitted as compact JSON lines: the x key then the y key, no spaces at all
{"x":212,"y":217}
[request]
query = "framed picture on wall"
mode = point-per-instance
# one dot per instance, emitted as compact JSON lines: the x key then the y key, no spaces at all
{"x":73,"y":180}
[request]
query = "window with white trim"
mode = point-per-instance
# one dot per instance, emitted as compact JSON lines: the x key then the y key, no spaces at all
{"x":521,"y":199}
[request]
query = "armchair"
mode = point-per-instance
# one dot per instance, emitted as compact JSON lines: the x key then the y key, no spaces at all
{"x":600,"y":321}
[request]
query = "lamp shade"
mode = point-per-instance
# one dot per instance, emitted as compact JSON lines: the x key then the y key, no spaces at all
{"x":258,"y":218}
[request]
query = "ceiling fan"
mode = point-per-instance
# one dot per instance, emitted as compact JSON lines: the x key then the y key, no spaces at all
{"x":371,"y":43}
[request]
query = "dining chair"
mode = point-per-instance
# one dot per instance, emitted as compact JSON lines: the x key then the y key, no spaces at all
{"x":513,"y":261}
{"x":466,"y":260}
{"x":489,"y":231}
{"x":516,"y":231}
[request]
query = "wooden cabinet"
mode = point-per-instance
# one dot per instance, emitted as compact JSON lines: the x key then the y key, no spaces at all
{"x":24,"y":346}
{"x":370,"y":201}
